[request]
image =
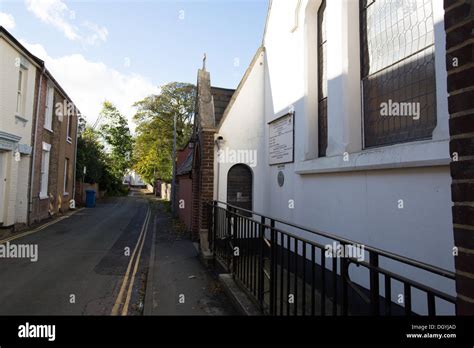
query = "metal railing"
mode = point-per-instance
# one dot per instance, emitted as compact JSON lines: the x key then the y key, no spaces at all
{"x":288,"y":274}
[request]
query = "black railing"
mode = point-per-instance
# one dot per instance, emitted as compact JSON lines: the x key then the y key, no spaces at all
{"x":289,"y":274}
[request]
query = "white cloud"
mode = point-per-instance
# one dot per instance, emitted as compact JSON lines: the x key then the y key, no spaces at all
{"x":98,"y":33}
{"x":58,"y":14}
{"x":89,"y":83}
{"x":7,"y":20}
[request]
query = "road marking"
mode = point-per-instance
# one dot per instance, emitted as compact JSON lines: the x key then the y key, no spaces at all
{"x":148,"y":300}
{"x":130,"y":287}
{"x":42,"y":227}
{"x":119,"y":300}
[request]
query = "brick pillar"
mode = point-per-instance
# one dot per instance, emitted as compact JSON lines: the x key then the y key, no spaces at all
{"x":459,"y":26}
{"x":206,"y":187}
{"x":207,"y":175}
{"x":202,"y":180}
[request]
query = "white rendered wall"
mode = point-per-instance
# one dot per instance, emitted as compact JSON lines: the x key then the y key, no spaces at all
{"x":243,"y":129}
{"x":14,"y":203}
{"x":357,"y":199}
{"x":8,"y":92}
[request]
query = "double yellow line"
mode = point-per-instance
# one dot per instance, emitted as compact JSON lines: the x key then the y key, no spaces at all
{"x":42,"y":227}
{"x":129,"y":279}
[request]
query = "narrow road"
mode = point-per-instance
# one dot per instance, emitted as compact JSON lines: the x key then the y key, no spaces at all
{"x":81,"y":264}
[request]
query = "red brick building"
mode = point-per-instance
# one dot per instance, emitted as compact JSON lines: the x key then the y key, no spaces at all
{"x":54,"y":156}
{"x":184,"y":184}
{"x":459,"y":26}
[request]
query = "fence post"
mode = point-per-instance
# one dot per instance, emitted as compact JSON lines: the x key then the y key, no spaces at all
{"x":227,"y":238}
{"x":344,"y":277}
{"x":210,"y":224}
{"x":374,"y":283}
{"x":272,"y":267}
{"x":234,"y":243}
{"x":215,"y":226}
{"x":261,"y":280}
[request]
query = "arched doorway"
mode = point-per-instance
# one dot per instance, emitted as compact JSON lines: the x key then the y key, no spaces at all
{"x":239,"y":186}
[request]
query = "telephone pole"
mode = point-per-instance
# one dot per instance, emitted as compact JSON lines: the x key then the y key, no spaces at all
{"x":173,"y":180}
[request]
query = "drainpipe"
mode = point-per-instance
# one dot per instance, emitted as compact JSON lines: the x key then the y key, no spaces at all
{"x":218,"y":173}
{"x":38,"y":103}
{"x":173,"y":179}
{"x":75,"y":163}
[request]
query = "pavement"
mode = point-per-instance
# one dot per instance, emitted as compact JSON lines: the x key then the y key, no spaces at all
{"x":178,"y":283}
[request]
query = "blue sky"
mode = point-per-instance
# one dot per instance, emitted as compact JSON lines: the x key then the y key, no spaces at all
{"x":121,"y":50}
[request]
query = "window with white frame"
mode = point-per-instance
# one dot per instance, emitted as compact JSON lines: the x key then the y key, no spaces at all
{"x":322,"y":82}
{"x":48,"y":119}
{"x":45,"y":170}
{"x":397,"y":70}
{"x":21,"y":91}
{"x":66,"y":175}
{"x":69,"y":127}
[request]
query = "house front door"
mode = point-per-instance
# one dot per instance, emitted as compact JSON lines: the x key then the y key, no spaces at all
{"x":2,"y":185}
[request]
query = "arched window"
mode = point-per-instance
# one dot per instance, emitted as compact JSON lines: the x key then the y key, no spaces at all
{"x":240,"y":186}
{"x":322,"y":82}
{"x":397,"y":70}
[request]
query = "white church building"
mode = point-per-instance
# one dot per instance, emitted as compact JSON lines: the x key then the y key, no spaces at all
{"x":341,"y":122}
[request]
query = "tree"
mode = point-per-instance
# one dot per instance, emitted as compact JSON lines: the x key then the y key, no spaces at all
{"x":116,"y":133}
{"x":152,"y":153}
{"x":90,"y":155}
{"x":81,"y":124}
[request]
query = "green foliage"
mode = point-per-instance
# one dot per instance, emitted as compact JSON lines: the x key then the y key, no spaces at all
{"x":90,"y":154}
{"x":81,"y":124}
{"x":117,"y":136}
{"x":153,"y":148}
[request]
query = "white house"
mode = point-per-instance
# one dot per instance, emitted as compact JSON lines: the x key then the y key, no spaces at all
{"x":132,"y":178}
{"x":324,"y":73}
{"x":18,"y":69}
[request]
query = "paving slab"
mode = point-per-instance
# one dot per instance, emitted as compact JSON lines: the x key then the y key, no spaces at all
{"x":178,"y":283}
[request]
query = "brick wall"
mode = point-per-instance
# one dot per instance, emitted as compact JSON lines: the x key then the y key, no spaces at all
{"x":196,"y":181}
{"x":60,"y":149}
{"x":202,"y":180}
{"x":39,"y":207}
{"x":185,"y":193}
{"x":207,"y":174}
{"x":459,"y":25}
{"x":66,"y":149}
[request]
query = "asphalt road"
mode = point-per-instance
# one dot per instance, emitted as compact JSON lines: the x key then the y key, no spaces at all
{"x":81,"y":263}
